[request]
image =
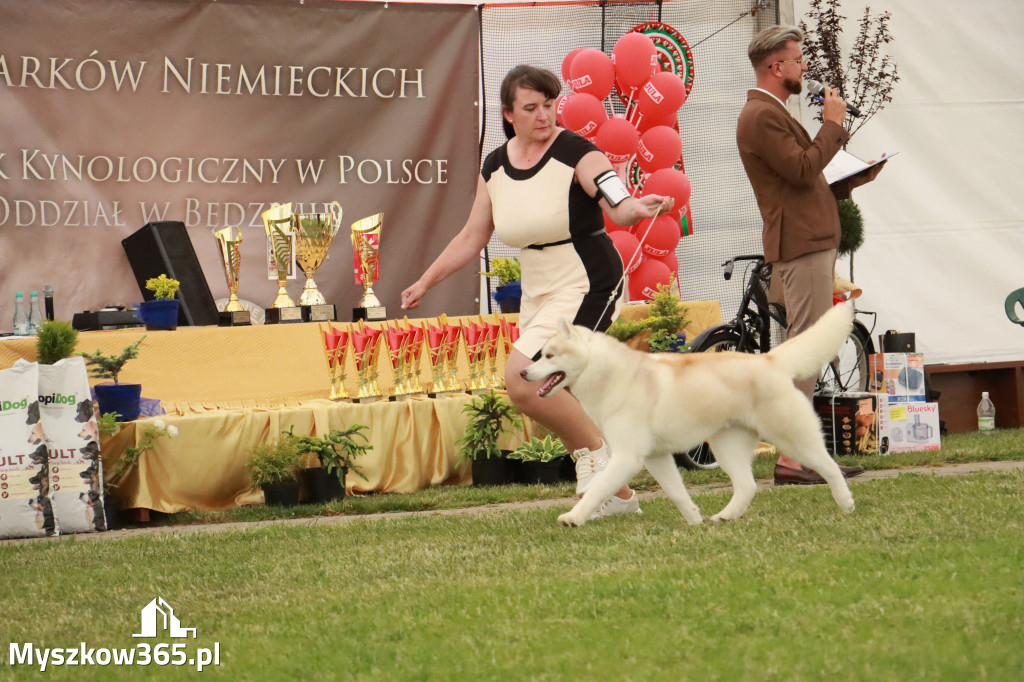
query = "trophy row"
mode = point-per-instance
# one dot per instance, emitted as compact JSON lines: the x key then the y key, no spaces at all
{"x":486,"y":346}
{"x":303,"y":239}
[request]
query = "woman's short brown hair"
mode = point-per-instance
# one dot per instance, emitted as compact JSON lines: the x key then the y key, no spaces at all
{"x":531,"y":77}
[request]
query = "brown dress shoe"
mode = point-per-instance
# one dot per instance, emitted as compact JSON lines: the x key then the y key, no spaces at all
{"x":805,"y":476}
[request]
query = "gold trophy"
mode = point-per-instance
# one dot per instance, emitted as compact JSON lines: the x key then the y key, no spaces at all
{"x":366,"y":255}
{"x":313,"y":235}
{"x":230,"y":241}
{"x":435,"y":335}
{"x":277,"y":221}
{"x":413,"y":353}
{"x":493,"y":339}
{"x":397,"y":341}
{"x":365,"y":344}
{"x":335,"y":349}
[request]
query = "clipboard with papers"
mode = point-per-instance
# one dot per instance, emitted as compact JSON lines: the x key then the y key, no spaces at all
{"x":845,"y":164}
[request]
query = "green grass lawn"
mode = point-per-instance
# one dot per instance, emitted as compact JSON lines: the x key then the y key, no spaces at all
{"x":923,"y":581}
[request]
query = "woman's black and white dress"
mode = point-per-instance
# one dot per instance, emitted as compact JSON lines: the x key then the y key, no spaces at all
{"x":570,"y":267}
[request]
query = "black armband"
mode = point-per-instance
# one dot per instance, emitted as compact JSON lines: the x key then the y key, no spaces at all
{"x":610,"y":186}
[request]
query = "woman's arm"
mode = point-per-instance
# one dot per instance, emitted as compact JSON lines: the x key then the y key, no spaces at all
{"x":631,"y":210}
{"x":462,"y":249}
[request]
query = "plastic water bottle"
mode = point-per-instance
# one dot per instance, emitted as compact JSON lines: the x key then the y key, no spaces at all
{"x":986,"y":414}
{"x":20,"y":316}
{"x":35,"y":314}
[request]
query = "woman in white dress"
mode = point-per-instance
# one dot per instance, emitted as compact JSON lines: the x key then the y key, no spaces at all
{"x":543,"y":191}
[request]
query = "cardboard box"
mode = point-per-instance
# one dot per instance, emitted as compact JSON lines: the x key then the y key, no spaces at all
{"x":849,"y":422}
{"x":898,"y":375}
{"x":908,"y":426}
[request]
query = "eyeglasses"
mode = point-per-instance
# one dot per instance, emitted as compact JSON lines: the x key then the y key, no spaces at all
{"x":794,"y":61}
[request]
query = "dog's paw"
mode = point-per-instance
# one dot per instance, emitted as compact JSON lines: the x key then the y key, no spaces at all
{"x":568,"y":519}
{"x":718,"y":518}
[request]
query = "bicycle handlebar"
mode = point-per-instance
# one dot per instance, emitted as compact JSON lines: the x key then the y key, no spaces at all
{"x":728,"y":265}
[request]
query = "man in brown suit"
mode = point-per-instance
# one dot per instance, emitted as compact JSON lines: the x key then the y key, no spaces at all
{"x":801,"y":220}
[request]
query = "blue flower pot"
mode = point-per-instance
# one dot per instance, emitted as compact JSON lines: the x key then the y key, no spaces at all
{"x":121,"y":398}
{"x":508,"y":296}
{"x":160,"y":314}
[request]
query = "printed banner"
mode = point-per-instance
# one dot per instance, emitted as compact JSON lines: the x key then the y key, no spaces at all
{"x":116,"y":113}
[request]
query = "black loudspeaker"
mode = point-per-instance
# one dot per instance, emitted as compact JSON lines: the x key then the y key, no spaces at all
{"x":165,"y":248}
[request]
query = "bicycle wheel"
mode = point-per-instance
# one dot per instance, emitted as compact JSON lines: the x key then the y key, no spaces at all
{"x":701,"y":457}
{"x":716,"y":340}
{"x":849,"y":372}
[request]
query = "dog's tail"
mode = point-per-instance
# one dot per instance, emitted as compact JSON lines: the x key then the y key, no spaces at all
{"x":805,"y":354}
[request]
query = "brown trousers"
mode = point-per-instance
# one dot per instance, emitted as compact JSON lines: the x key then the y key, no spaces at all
{"x":804,"y":285}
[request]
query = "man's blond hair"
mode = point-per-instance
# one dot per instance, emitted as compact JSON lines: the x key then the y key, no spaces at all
{"x":771,"y":40}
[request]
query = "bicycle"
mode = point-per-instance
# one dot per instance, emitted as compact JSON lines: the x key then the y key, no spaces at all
{"x":750,"y":332}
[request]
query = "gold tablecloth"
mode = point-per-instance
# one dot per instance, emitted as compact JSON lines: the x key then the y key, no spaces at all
{"x":229,"y":389}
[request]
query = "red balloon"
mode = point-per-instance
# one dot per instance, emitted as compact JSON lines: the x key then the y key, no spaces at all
{"x":583,"y":114}
{"x":660,"y":147}
{"x":567,"y":63}
{"x":669,"y":182}
{"x":618,"y":139}
{"x":635,"y":57}
{"x":671,"y":262}
{"x":663,"y":94}
{"x":663,"y":236}
{"x":612,"y":226}
{"x":592,"y":72}
{"x":627,"y":246}
{"x":644,"y":281}
{"x":560,"y":105}
{"x":647,"y":122}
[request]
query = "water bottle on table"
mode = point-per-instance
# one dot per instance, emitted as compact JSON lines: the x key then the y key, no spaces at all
{"x":35,"y":314}
{"x":20,"y":315}
{"x":986,"y":414}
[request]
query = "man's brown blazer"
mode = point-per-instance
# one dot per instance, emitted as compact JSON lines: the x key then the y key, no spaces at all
{"x":784,"y":166}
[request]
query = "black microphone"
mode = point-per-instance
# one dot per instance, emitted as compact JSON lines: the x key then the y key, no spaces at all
{"x":816,"y":88}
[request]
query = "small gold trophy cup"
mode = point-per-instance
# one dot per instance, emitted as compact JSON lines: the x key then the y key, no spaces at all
{"x":230,"y":241}
{"x":366,"y":256}
{"x":313,"y":235}
{"x":365,"y":345}
{"x":335,"y":349}
{"x":281,"y":259}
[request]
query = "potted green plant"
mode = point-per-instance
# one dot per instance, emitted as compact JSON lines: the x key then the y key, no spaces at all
{"x":55,"y":341}
{"x":161,"y":313}
{"x":108,"y":426}
{"x":490,"y":416}
{"x":665,"y":321}
{"x":274,"y":468}
{"x":541,"y":460}
{"x":121,"y":398}
{"x":337,"y":451}
{"x":509,"y":292}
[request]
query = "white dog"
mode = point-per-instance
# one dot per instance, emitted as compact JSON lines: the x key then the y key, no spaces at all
{"x":652,"y":405}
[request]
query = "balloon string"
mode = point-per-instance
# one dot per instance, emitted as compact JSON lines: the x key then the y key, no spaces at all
{"x":613,"y":295}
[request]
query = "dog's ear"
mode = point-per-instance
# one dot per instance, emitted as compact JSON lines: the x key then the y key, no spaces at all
{"x":566,"y":329}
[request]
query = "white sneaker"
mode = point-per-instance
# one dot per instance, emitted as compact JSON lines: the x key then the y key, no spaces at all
{"x":617,"y":505}
{"x":588,"y":463}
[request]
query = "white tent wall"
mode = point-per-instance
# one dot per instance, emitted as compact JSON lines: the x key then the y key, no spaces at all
{"x":944,"y":221}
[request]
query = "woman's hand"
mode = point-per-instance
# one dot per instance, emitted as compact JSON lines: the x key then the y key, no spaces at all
{"x":653,"y":204}
{"x":411,"y":296}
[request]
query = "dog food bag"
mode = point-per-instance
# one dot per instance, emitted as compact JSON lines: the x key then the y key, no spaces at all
{"x":72,"y":436}
{"x":25,"y":503}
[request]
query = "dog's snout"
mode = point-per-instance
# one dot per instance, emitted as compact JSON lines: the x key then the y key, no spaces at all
{"x":522,"y":373}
